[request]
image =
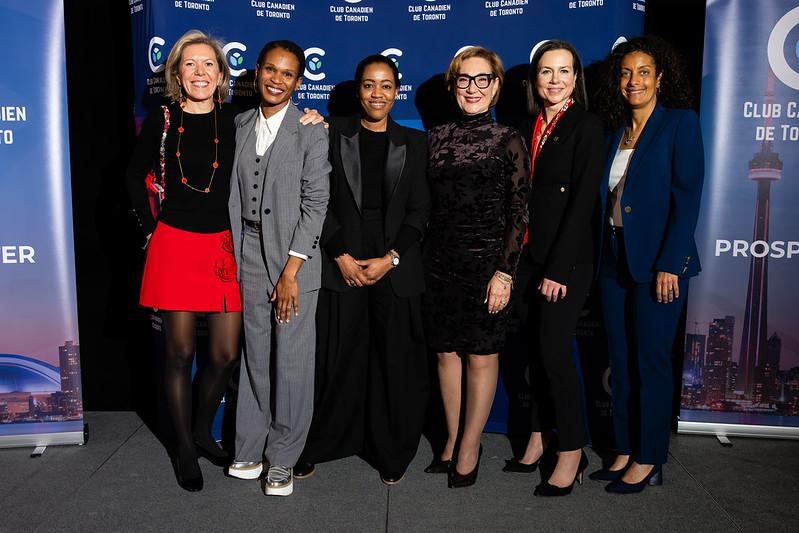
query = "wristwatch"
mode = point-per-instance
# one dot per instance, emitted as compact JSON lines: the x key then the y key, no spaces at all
{"x":394,"y":258}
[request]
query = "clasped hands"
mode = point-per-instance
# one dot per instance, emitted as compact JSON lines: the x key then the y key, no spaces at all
{"x":363,"y":272}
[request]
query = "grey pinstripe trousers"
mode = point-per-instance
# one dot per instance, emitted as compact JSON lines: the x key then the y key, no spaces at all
{"x":276,"y":383}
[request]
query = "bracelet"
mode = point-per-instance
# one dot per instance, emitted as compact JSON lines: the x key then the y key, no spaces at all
{"x":507,"y":279}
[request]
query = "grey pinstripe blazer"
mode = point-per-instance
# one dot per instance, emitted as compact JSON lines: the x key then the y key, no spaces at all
{"x":296,"y":189}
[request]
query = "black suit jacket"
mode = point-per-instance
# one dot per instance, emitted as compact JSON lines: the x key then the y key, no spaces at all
{"x":407,"y":201}
{"x":564,"y":195}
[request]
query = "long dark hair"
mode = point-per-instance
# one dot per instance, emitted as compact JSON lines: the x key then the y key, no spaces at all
{"x":534,"y":102}
{"x":675,"y":89}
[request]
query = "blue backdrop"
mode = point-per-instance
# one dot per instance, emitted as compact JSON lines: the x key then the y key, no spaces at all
{"x":421,"y":36}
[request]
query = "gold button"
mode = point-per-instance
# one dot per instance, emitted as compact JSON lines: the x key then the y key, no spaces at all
{"x":628,"y":209}
{"x":563,"y":189}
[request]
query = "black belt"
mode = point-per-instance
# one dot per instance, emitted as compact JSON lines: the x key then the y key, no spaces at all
{"x":252,"y":224}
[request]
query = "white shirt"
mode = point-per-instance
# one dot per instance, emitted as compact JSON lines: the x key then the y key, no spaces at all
{"x":266,"y":129}
{"x":619,"y":167}
{"x":265,"y":133}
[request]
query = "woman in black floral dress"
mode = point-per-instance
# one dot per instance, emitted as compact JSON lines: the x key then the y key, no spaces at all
{"x":479,"y":173}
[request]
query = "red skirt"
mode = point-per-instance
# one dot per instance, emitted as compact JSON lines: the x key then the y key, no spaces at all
{"x":188,"y":271}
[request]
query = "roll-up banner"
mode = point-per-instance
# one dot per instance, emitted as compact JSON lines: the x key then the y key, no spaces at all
{"x":40,"y":386}
{"x":421,"y":36}
{"x":741,"y":360}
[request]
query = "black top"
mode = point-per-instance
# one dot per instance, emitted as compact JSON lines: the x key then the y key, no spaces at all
{"x":479,"y":177}
{"x":373,"y":146}
{"x":564,"y":198}
{"x":373,"y":153}
{"x":184,"y":208}
{"x":405,"y":204}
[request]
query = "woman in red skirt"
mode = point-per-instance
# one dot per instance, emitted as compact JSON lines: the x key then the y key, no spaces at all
{"x":190,"y":267}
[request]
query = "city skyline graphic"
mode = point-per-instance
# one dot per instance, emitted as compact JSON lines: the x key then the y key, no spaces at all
{"x":32,"y":391}
{"x":743,"y":358}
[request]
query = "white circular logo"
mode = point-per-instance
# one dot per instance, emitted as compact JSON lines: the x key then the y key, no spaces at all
{"x":235,"y":57}
{"x":313,"y":63}
{"x":462,"y":48}
{"x":776,"y":46}
{"x":393,"y":54}
{"x":156,"y":55}
{"x":606,"y":382}
{"x":535,"y":49}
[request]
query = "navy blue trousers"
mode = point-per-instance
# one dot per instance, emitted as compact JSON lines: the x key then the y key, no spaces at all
{"x":640,"y":334}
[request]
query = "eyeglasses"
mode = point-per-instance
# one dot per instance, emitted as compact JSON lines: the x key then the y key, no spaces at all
{"x":481,"y":81}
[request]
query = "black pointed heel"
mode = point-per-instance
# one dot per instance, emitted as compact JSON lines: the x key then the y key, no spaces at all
{"x":456,"y":480}
{"x":213,"y":452}
{"x":546,"y":489}
{"x":439,"y":466}
{"x":514,"y":465}
{"x":189,"y":477}
{"x":653,"y":479}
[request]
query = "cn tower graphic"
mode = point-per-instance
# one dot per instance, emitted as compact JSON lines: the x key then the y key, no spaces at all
{"x":764,"y":168}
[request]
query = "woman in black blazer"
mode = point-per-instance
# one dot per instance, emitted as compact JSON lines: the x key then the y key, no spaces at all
{"x":555,"y":272}
{"x":371,"y":386}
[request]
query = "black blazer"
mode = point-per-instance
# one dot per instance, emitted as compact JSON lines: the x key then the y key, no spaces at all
{"x":564,"y":196}
{"x":407,"y":202}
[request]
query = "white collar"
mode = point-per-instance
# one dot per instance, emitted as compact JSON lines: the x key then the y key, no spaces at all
{"x":272,"y":124}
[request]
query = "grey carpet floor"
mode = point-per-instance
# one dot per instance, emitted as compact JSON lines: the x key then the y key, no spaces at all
{"x":122,"y":481}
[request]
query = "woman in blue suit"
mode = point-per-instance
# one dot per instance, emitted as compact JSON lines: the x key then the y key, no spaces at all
{"x":651,"y":192}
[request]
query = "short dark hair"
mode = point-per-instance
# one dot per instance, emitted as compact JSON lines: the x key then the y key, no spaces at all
{"x":534,"y":102}
{"x":289,"y":46}
{"x":675,"y":88}
{"x":371,"y":60}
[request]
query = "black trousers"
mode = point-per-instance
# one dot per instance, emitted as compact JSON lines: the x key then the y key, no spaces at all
{"x":371,"y":378}
{"x":371,"y":371}
{"x":557,"y":397}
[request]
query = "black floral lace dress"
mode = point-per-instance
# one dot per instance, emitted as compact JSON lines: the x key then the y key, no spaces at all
{"x":479,"y":176}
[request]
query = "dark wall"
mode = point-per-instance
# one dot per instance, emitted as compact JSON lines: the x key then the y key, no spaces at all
{"x":118,"y":371}
{"x":99,"y":81}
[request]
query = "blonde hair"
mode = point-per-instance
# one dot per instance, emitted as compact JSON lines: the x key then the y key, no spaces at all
{"x":476,"y":51}
{"x":172,"y":67}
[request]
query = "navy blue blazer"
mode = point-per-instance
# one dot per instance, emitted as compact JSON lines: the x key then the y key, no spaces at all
{"x":660,"y":201}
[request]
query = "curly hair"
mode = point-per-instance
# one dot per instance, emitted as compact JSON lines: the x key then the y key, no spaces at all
{"x":675,"y":88}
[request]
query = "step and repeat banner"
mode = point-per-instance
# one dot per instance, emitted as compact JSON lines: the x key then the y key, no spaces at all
{"x":741,"y":365}
{"x":40,"y":388}
{"x":421,"y":36}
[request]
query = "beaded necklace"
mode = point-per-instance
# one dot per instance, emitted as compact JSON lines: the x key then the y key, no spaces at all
{"x":214,"y":165}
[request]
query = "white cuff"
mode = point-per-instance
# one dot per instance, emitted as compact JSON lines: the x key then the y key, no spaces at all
{"x":297,"y":254}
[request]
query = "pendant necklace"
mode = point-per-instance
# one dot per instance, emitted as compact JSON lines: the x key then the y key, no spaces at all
{"x":214,"y":165}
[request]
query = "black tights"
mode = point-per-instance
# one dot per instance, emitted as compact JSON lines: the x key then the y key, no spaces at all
{"x":224,"y":330}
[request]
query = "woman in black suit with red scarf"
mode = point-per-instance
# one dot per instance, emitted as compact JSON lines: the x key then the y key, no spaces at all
{"x":556,"y":268}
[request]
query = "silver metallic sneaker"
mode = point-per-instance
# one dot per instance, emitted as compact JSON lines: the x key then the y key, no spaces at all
{"x":245,"y":470}
{"x":279,"y":481}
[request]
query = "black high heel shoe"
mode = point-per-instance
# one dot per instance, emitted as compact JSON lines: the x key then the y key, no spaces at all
{"x":212,"y":451}
{"x":606,"y":474}
{"x":514,"y":465}
{"x":546,"y":489}
{"x":457,"y":480}
{"x":188,"y":474}
{"x":653,"y":478}
{"x":439,"y":466}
